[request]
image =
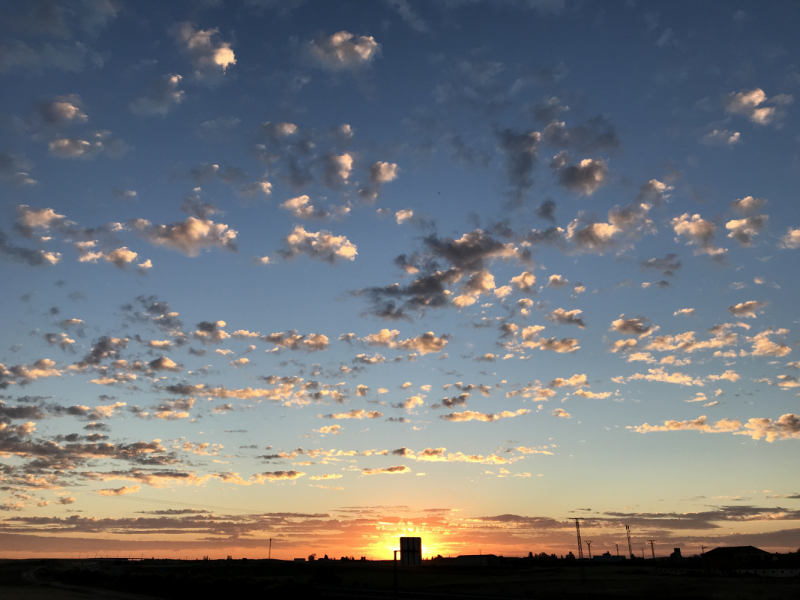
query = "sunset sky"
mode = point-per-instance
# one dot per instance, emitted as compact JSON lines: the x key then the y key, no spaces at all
{"x":328,"y":273}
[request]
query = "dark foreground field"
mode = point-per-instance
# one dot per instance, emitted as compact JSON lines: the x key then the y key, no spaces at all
{"x":221,"y":580}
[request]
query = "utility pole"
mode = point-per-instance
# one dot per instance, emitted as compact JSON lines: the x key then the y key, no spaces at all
{"x":703,"y":549}
{"x":617,"y":549}
{"x":395,"y":574}
{"x":269,"y":556}
{"x":589,"y":546}
{"x":652,"y":548}
{"x":630,"y":547}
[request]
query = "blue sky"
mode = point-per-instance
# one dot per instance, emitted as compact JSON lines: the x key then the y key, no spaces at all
{"x":332,"y":272}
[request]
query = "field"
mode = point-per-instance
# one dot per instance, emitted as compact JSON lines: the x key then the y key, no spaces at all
{"x":138,"y":580}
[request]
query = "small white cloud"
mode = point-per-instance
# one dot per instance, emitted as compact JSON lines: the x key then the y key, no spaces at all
{"x":322,"y":245}
{"x":342,"y":51}
{"x":404,"y":215}
{"x":791,"y":239}
{"x":209,"y":55}
{"x":721,"y":137}
{"x":752,"y":104}
{"x":100,"y":142}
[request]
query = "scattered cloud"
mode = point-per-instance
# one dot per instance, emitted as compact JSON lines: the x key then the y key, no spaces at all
{"x":343,"y":51}
{"x":560,"y":316}
{"x":359,"y":413}
{"x":209,"y":55}
{"x":747,"y":309}
{"x":744,"y":230}
{"x":163,"y":96}
{"x":699,"y":232}
{"x":698,"y":424}
{"x":396,"y":470}
{"x":635,"y":326}
{"x":120,"y":491}
{"x":422,"y":344}
{"x":321,"y":245}
{"x":785,"y":427}
{"x":721,"y":137}
{"x":585,"y":177}
{"x":791,"y":239}
{"x":100,"y":142}
{"x":469,"y":415}
{"x":753,"y":104}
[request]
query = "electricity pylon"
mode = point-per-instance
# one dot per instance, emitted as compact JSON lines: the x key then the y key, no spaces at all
{"x":578,"y":530}
{"x":652,"y":548}
{"x":630,"y":546}
{"x":580,"y":547}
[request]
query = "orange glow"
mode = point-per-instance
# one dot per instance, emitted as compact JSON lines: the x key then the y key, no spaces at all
{"x":432,"y":544}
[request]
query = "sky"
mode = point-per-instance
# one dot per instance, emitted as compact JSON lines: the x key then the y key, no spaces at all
{"x":321,"y":274}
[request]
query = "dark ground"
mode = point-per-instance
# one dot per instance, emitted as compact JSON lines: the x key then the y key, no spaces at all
{"x":108,"y":579}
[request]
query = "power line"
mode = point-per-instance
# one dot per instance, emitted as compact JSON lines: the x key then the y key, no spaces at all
{"x":175,"y":503}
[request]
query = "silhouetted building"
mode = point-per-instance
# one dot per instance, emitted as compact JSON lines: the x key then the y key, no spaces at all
{"x":410,"y":551}
{"x":607,"y":557}
{"x":477,"y":560}
{"x":730,"y":556}
{"x":749,"y":560}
